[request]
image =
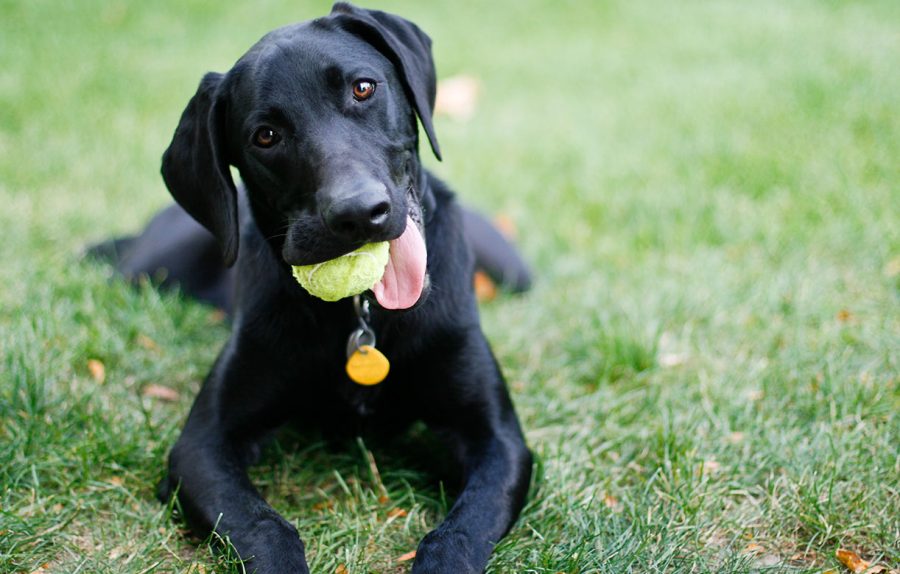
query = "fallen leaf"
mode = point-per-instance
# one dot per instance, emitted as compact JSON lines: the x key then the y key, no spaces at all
{"x":160,"y":392}
{"x":324,"y":505}
{"x":383,"y":499}
{"x":397,"y":513}
{"x":341,"y":569}
{"x":611,"y":502}
{"x":97,"y":370}
{"x":851,"y":560}
{"x":146,"y":342}
{"x":407,"y":556}
{"x":485,"y":288}
{"x":116,"y":481}
{"x":506,"y":226}
{"x":753,"y":548}
{"x":457,"y":97}
{"x":844,"y":316}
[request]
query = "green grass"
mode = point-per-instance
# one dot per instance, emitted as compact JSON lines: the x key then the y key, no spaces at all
{"x":709,"y":193}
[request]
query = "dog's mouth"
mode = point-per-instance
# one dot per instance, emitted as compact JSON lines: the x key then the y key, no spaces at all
{"x":403,"y":281}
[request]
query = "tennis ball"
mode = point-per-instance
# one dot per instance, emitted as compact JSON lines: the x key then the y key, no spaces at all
{"x":344,"y":276}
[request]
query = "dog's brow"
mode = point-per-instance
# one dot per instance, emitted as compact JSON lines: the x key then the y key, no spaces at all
{"x":269,"y":114}
{"x":334,"y":75}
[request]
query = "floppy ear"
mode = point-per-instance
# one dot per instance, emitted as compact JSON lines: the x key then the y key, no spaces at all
{"x":196,"y":170}
{"x":407,"y":47}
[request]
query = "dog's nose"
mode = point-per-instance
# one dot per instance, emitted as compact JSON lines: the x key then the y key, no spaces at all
{"x":360,"y":214}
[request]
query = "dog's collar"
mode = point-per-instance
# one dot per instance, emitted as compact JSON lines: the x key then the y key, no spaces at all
{"x":366,"y":365}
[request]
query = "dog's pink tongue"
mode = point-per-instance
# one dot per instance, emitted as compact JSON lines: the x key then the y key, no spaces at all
{"x":404,"y":277}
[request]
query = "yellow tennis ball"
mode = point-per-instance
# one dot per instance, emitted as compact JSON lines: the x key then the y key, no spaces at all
{"x":344,"y":276}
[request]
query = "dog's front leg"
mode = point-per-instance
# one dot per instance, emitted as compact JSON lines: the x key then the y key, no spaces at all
{"x":239,"y":403}
{"x":474,"y":411}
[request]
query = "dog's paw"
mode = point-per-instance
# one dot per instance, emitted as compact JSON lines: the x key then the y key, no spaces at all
{"x":450,"y":552}
{"x":270,"y":546}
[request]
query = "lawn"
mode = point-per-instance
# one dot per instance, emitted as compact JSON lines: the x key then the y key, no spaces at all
{"x":708,"y":366}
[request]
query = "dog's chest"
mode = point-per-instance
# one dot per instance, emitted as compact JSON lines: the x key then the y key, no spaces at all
{"x":318,"y":368}
{"x":324,"y":392}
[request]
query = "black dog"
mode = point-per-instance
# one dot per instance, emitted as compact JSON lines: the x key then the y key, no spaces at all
{"x":320,"y":119}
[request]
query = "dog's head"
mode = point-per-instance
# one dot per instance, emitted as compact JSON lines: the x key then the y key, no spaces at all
{"x":319,"y":118}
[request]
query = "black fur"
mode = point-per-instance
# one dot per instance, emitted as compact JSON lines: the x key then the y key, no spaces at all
{"x":344,"y":173}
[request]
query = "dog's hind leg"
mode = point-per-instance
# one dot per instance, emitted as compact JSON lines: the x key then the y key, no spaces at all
{"x":494,"y":253}
{"x":173,"y":251}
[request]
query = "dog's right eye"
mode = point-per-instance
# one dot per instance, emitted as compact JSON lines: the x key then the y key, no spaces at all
{"x":266,"y":137}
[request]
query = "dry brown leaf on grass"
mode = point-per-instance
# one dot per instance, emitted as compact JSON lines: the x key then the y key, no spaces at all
{"x":457,"y":97}
{"x":160,"y":392}
{"x":341,"y":569}
{"x":146,"y":342}
{"x":397,"y":513}
{"x":324,"y":505}
{"x":611,"y":502}
{"x":97,"y":370}
{"x":506,"y":226}
{"x":852,"y":560}
{"x":844,"y":316}
{"x":485,"y":288}
{"x":405,"y":557}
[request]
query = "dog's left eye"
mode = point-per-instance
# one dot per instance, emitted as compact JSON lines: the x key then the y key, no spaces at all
{"x":266,"y":137}
{"x":363,"y":89}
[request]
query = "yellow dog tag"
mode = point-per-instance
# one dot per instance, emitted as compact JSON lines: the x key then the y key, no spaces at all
{"x":367,"y":366}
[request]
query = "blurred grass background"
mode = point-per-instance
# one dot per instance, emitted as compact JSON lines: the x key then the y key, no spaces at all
{"x":707,"y":367}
